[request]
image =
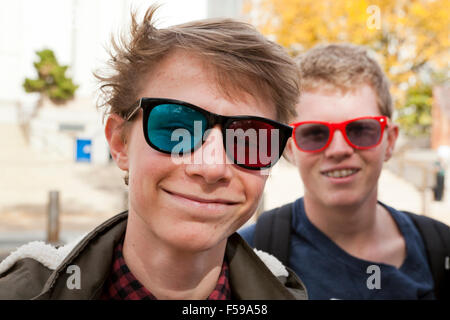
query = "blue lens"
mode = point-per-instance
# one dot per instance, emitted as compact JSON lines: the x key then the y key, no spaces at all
{"x":176,"y":128}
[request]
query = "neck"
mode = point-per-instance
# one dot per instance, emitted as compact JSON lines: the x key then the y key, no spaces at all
{"x":365,"y":230}
{"x":171,"y":273}
{"x":344,"y":223}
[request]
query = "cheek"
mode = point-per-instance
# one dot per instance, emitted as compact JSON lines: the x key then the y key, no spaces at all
{"x":253,"y":187}
{"x":379,"y":161}
{"x":253,"y":184}
{"x":378,"y":154}
{"x":147,"y":169}
{"x":306,"y":164}
{"x":374,"y":160}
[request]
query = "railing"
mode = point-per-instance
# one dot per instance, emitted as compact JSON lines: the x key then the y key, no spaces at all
{"x":421,"y":174}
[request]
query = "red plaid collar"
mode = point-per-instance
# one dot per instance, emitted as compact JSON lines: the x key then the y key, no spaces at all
{"x":123,"y":285}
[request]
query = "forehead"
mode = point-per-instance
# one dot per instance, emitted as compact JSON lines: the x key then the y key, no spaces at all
{"x":336,"y":106}
{"x":188,"y":77}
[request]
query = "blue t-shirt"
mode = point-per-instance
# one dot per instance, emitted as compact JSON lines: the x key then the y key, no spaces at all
{"x":328,"y":272}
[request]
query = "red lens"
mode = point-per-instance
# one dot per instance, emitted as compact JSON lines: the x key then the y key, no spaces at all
{"x":363,"y":133}
{"x":252,"y":143}
{"x":311,"y":136}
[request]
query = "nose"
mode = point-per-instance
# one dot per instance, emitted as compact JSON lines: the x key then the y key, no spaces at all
{"x":338,"y":147}
{"x":210,"y":161}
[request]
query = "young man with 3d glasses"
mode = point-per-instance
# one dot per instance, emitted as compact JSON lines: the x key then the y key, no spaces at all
{"x":342,"y":242}
{"x":195,"y":120}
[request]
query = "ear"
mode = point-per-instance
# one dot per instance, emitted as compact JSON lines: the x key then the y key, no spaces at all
{"x":289,"y":151}
{"x":114,"y":132}
{"x":392,"y":135}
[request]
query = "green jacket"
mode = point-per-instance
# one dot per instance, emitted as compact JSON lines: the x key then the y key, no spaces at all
{"x":40,"y":271}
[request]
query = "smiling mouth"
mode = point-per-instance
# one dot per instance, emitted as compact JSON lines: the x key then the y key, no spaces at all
{"x":341,"y":173}
{"x":202,"y":200}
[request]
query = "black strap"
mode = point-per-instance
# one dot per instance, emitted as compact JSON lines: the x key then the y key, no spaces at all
{"x":273,"y":232}
{"x":436,"y":237}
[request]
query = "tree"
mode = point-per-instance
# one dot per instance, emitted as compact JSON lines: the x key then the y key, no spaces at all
{"x":410,"y":37}
{"x":51,"y":81}
{"x":415,"y":115}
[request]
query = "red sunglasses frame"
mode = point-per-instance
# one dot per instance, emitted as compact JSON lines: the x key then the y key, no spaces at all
{"x":333,"y":126}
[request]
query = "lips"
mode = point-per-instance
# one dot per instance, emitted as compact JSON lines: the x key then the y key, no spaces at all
{"x":203,"y":200}
{"x":340,"y":173}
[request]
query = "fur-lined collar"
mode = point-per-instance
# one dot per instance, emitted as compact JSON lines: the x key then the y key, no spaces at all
{"x":51,"y":257}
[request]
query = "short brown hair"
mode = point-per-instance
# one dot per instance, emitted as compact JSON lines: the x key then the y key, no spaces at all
{"x":344,"y":67}
{"x":243,"y":59}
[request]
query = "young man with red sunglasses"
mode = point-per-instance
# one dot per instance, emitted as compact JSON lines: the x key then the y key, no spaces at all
{"x":343,"y":242}
{"x":173,"y":94}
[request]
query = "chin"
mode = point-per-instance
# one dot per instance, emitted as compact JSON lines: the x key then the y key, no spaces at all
{"x":193,"y":241}
{"x":332,"y":198}
{"x":344,"y":200}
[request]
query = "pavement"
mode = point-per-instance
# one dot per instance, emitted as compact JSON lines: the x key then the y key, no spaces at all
{"x":91,"y":193}
{"x":88,"y":193}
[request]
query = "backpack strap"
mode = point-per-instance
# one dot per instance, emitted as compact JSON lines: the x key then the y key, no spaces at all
{"x":273,"y":231}
{"x":436,"y":237}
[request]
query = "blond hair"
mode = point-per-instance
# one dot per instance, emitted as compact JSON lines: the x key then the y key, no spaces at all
{"x":344,"y":67}
{"x":241,"y":57}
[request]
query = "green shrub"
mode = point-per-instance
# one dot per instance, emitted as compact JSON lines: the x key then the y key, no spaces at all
{"x":52,"y":81}
{"x":414,"y":116}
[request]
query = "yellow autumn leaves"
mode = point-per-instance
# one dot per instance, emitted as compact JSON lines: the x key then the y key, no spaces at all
{"x":409,"y":36}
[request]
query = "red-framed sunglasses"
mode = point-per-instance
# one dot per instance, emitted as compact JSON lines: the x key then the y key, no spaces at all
{"x":360,"y":133}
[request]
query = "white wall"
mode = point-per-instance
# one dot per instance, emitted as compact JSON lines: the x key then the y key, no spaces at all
{"x":77,"y":31}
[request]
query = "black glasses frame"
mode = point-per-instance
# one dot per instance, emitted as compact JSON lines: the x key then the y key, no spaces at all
{"x":147,"y":105}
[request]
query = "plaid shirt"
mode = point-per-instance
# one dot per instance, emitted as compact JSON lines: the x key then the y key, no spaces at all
{"x":123,"y":285}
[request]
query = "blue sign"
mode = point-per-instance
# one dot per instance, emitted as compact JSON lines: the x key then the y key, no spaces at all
{"x":83,"y":150}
